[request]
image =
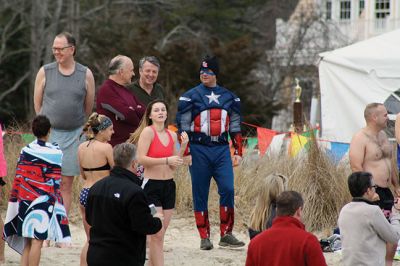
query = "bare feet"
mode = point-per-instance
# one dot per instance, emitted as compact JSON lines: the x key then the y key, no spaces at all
{"x":46,"y":244}
{"x":63,"y":245}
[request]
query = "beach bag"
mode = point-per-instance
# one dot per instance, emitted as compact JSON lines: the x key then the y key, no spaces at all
{"x":331,"y":244}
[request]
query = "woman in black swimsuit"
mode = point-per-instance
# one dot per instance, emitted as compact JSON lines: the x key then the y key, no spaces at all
{"x":95,"y":160}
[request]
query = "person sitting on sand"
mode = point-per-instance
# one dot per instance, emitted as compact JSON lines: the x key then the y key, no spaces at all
{"x":35,"y":209}
{"x":264,"y":210}
{"x":95,"y":160}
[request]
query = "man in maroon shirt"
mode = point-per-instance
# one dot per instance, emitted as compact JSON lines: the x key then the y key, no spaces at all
{"x":117,"y":102}
{"x":286,"y":242}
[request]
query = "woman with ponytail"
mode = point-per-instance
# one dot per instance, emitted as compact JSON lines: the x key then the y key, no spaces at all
{"x":95,"y":160}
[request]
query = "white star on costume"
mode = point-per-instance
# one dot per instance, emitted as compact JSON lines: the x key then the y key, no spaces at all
{"x":213,"y":98}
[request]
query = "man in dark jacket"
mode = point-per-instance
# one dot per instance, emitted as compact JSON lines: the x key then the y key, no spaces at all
{"x":119,"y":215}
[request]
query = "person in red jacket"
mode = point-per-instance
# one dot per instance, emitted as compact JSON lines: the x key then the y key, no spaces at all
{"x":286,"y":242}
{"x":115,"y":101}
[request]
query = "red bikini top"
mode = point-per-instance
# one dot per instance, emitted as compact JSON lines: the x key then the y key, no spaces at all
{"x":157,"y":149}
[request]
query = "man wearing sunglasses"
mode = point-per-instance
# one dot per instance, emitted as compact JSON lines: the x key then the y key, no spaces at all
{"x":64,"y":92}
{"x":208,"y":113}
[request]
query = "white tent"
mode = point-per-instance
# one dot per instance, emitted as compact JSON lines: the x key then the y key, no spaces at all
{"x":353,"y":76}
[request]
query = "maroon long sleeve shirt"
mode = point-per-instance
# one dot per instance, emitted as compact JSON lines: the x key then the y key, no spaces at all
{"x":122,"y":107}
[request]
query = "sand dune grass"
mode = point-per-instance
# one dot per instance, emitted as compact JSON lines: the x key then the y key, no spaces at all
{"x":322,"y":184}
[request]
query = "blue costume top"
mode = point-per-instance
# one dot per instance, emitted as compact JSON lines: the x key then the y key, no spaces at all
{"x":208,"y":114}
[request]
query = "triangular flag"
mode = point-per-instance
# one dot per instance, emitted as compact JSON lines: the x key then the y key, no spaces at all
{"x":27,"y":138}
{"x":298,"y":142}
{"x":251,"y":143}
{"x":276,"y":144}
{"x":264,"y":136}
{"x":173,"y":128}
{"x":308,"y":135}
{"x":337,"y":151}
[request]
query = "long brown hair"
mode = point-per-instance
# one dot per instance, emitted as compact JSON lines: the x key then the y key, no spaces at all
{"x":146,"y":121}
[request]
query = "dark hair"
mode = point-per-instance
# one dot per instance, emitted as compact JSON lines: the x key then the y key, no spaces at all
{"x":288,"y":202}
{"x":70,"y":39}
{"x":41,"y":126}
{"x":124,"y":154}
{"x":358,"y":183}
{"x":151,"y":59}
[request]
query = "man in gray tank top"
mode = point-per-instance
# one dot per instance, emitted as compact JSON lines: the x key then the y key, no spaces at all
{"x":64,"y":92}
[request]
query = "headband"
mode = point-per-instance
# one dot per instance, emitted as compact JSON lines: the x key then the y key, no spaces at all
{"x":105,"y":124}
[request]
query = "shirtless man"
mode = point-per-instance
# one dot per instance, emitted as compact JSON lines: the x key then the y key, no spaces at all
{"x":370,"y":151}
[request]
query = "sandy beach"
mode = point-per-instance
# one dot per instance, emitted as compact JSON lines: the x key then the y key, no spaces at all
{"x":181,"y":248}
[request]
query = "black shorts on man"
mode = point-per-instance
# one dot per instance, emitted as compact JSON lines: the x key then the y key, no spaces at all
{"x":386,"y":200}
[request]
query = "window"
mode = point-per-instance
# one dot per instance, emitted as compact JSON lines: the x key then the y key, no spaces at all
{"x":361,"y":6}
{"x":345,"y":9}
{"x":382,"y":9}
{"x":328,"y":9}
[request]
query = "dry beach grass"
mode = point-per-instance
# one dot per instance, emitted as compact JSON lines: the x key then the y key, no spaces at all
{"x":322,"y":184}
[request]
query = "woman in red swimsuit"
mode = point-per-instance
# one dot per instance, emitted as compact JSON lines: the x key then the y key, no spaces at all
{"x":156,"y":151}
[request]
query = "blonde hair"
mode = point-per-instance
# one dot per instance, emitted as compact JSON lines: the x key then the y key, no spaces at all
{"x":90,"y":127}
{"x":271,"y":187}
{"x":146,"y":121}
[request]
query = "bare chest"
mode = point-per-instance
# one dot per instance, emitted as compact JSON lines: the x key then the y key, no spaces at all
{"x":377,"y":150}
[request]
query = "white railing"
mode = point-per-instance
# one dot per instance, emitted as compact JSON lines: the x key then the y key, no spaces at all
{"x":363,"y":29}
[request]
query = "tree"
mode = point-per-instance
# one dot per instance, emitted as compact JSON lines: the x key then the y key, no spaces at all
{"x":179,"y":32}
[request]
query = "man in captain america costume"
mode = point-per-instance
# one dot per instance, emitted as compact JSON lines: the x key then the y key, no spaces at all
{"x":208,"y":113}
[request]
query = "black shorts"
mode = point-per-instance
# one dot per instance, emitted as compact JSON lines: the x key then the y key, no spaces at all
{"x":161,"y":193}
{"x":386,"y":200}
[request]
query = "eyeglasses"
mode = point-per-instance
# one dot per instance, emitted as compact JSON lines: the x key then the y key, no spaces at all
{"x":61,"y":49}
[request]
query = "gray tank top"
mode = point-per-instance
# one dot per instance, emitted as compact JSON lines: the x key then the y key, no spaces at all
{"x":64,"y":97}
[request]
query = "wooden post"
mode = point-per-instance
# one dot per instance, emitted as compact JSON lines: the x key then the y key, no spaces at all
{"x":297,"y":110}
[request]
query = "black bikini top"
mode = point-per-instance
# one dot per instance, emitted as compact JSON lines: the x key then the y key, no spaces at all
{"x":101,"y":168}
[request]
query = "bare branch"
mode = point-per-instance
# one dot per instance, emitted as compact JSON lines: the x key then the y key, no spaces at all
{"x":7,"y":32}
{"x":15,"y":86}
{"x":179,"y":30}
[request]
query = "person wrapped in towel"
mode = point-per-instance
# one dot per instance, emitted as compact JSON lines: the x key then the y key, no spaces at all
{"x":35,"y":209}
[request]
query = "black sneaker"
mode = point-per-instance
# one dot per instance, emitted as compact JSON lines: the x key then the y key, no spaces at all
{"x":229,"y":240}
{"x":205,"y":244}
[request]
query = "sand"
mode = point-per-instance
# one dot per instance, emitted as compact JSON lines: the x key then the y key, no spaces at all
{"x":181,"y":248}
